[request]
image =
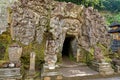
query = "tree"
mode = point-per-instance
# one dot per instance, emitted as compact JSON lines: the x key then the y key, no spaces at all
{"x":87,"y":3}
{"x":111,"y":5}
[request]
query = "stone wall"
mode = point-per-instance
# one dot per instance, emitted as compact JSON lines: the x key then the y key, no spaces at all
{"x":4,"y":4}
{"x":33,"y":18}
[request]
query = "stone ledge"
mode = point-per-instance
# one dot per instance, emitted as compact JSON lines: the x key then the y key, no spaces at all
{"x":10,"y":73}
{"x":103,"y":68}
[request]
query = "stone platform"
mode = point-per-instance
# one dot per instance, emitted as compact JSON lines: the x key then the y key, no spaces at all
{"x":10,"y":73}
{"x":77,"y":71}
{"x":61,"y":73}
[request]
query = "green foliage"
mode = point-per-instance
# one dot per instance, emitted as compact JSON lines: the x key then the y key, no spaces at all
{"x":59,"y":58}
{"x":87,"y":3}
{"x":111,"y":5}
{"x":5,"y":40}
{"x":106,"y":52}
{"x":25,"y":60}
{"x":2,"y":51}
{"x":112,"y":18}
{"x":39,"y":49}
{"x":87,"y":56}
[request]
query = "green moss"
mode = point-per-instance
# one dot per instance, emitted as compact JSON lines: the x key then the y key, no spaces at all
{"x":39,"y":49}
{"x":72,"y":58}
{"x":87,"y":57}
{"x":2,"y":51}
{"x":2,"y":61}
{"x":106,"y":52}
{"x":5,"y":40}
{"x":59,"y":58}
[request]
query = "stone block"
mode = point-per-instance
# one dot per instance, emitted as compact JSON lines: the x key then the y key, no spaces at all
{"x":47,"y":78}
{"x":10,"y":73}
{"x":32,"y":63}
{"x":103,"y":68}
{"x":15,"y":52}
{"x":59,"y":78}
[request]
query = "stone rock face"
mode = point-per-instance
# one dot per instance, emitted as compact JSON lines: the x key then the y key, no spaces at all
{"x":95,"y":27}
{"x":33,"y":18}
{"x":29,"y":21}
{"x":98,"y":56}
{"x":50,"y":56}
{"x":3,"y":17}
{"x":4,"y":4}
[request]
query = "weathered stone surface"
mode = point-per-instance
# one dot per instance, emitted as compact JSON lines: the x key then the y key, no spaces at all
{"x":98,"y":56}
{"x":33,"y":18}
{"x":47,"y":78}
{"x":103,"y":68}
{"x":2,"y":51}
{"x":15,"y":52}
{"x":50,"y":55}
{"x":4,"y":4}
{"x":9,"y":72}
{"x":32,"y":63}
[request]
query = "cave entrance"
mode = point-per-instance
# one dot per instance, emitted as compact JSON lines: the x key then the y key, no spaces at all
{"x":68,"y":50}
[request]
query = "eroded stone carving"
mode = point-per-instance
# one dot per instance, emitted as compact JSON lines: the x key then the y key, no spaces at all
{"x":15,"y":52}
{"x":33,"y":18}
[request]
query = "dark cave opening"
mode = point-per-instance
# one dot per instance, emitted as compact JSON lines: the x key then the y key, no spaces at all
{"x":67,"y":46}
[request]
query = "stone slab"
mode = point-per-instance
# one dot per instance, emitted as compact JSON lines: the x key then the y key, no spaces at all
{"x":10,"y":72}
{"x":113,"y":78}
{"x":78,"y":71}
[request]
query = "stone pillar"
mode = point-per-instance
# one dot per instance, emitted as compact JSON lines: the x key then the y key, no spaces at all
{"x":50,"y":55}
{"x":12,"y":69}
{"x":32,"y":62}
{"x":78,"y":55}
{"x":15,"y":52}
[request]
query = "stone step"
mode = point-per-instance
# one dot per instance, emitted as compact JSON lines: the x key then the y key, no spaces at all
{"x":10,"y":72}
{"x":73,"y":65}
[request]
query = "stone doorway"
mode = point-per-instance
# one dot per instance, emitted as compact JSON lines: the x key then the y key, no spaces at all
{"x":68,"y":49}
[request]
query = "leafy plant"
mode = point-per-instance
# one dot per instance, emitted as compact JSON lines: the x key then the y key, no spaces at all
{"x":87,"y":3}
{"x":87,"y":56}
{"x":105,"y":52}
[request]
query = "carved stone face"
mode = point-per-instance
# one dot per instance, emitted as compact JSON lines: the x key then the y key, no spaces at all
{"x":72,"y":26}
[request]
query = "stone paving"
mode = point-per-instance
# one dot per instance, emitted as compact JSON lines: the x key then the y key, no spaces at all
{"x":77,"y":71}
{"x":72,"y":69}
{"x":113,"y":78}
